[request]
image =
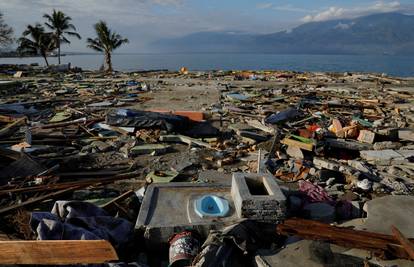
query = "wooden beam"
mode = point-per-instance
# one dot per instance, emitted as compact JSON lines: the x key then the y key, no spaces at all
{"x":56,"y":252}
{"x":383,"y":246}
{"x":291,"y":142}
{"x":11,"y":125}
{"x":407,"y":244}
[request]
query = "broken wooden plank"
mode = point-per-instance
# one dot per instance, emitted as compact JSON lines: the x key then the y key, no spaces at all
{"x":6,"y":129}
{"x":298,"y":143}
{"x":408,"y":246}
{"x":260,"y":126}
{"x":84,"y":183}
{"x":183,"y":139}
{"x":251,"y":135}
{"x":7,"y":119}
{"x":56,"y":252}
{"x":118,"y":198}
{"x":38,"y":199}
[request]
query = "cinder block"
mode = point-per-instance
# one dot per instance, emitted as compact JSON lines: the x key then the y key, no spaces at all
{"x":258,"y":197}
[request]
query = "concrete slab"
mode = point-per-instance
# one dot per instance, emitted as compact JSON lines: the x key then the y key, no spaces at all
{"x":380,"y":156}
{"x":306,"y":253}
{"x":390,"y":210}
{"x":169,"y":208}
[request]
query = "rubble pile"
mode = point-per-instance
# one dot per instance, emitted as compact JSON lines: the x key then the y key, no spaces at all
{"x":210,"y":168}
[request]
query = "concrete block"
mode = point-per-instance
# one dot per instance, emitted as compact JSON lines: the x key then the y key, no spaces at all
{"x":366,"y":137}
{"x":258,"y":197}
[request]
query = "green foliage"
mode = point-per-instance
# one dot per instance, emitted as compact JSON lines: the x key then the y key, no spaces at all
{"x":61,"y":26}
{"x":36,"y":41}
{"x":6,"y":32}
{"x":106,"y":41}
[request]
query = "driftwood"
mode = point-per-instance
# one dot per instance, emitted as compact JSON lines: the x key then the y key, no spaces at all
{"x":383,"y":246}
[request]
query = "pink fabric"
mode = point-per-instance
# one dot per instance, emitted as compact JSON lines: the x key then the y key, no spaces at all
{"x":315,"y":193}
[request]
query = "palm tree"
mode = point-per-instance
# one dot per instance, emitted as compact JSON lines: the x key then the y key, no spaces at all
{"x":106,"y":42}
{"x":6,"y":32}
{"x":39,"y":43}
{"x":60,"y":24}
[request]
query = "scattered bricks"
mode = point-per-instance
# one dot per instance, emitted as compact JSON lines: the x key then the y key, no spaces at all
{"x":366,"y":137}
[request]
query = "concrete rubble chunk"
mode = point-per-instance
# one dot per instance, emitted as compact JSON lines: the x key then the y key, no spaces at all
{"x":258,"y":197}
{"x":387,"y":145}
{"x":406,"y":134}
{"x":366,"y":137}
{"x":380,"y":156}
{"x":295,"y":152}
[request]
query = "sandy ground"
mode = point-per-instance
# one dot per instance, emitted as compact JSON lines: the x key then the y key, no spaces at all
{"x":181,"y":94}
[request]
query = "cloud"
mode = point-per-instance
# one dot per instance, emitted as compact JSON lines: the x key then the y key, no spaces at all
{"x":335,"y":12}
{"x":141,"y":21}
{"x":288,"y":8}
{"x":264,"y":5}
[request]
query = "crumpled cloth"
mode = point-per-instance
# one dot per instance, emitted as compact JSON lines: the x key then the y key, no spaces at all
{"x":77,"y":220}
{"x":314,"y":193}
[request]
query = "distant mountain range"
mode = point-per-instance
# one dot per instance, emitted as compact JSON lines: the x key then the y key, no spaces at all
{"x":386,"y":33}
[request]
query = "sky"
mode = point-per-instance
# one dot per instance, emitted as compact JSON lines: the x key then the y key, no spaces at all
{"x":145,"y":21}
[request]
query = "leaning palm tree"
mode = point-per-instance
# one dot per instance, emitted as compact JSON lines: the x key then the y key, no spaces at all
{"x":36,"y":41}
{"x":106,"y":41}
{"x":60,"y":24}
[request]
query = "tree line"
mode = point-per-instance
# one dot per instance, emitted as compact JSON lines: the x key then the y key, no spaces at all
{"x":42,"y":39}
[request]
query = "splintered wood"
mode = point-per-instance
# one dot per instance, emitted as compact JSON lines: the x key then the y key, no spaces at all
{"x":383,"y":246}
{"x":56,"y":252}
